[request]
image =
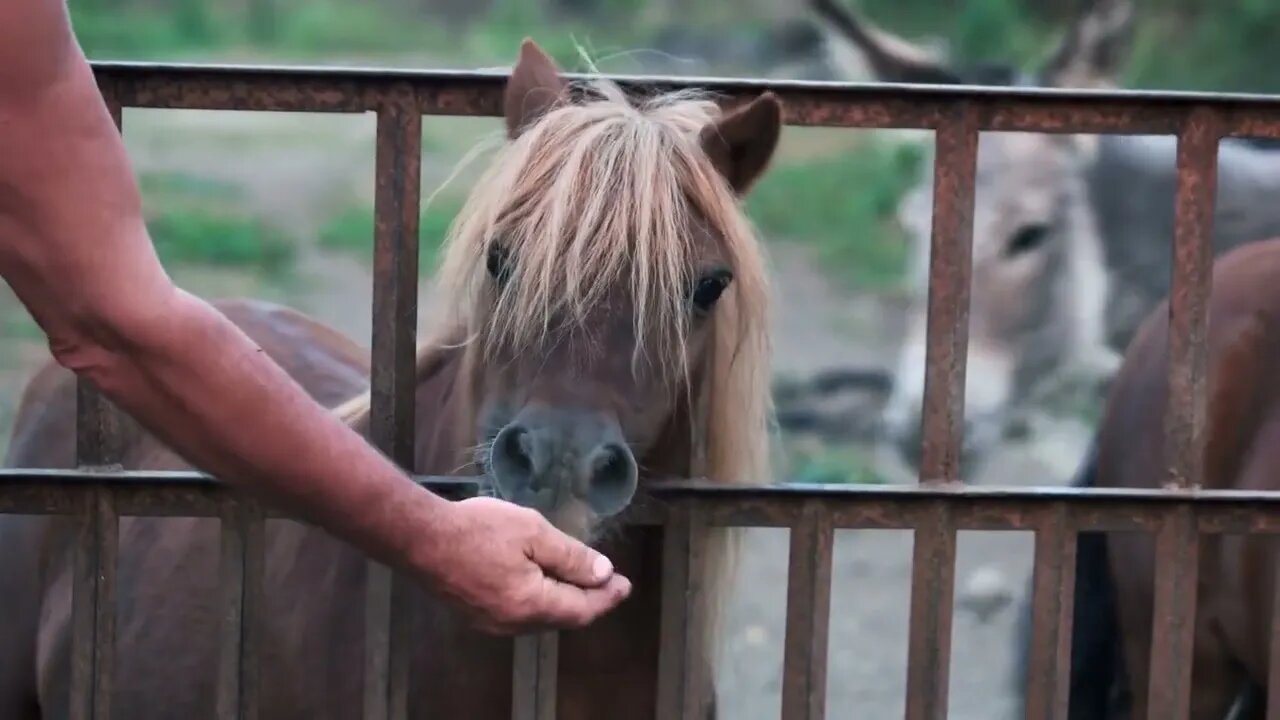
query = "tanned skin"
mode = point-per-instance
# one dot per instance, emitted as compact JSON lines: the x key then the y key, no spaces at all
{"x":75,"y":250}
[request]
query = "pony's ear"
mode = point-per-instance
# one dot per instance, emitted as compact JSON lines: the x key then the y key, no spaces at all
{"x":741,"y":143}
{"x":534,"y":86}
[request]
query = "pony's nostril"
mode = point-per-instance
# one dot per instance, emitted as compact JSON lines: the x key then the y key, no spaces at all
{"x":613,"y":478}
{"x":512,"y":461}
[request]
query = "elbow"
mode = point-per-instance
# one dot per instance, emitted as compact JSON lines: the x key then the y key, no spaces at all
{"x":99,"y":339}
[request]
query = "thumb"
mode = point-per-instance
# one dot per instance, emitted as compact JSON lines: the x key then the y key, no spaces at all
{"x":567,"y":559}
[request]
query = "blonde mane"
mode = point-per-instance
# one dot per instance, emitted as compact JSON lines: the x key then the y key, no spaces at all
{"x":600,"y":191}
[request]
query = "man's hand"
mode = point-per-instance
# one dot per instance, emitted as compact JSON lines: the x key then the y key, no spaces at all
{"x":512,"y":571}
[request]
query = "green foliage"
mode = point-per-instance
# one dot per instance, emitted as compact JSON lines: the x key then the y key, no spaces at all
{"x":844,"y":205}
{"x":351,"y":231}
{"x":328,"y":26}
{"x":833,"y":465}
{"x":209,"y":237}
{"x":195,"y":221}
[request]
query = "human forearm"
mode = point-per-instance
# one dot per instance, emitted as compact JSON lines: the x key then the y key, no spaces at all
{"x":199,"y":384}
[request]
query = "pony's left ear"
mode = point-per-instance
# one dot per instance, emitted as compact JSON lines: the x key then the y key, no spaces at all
{"x":742,"y":143}
{"x":534,"y":86}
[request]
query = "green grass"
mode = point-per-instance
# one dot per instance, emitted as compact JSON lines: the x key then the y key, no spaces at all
{"x":833,"y":465}
{"x":194,"y":221}
{"x":351,"y":231}
{"x":844,"y":206}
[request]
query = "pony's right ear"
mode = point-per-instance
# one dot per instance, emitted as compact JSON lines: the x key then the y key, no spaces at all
{"x":534,"y":87}
{"x":741,"y":143}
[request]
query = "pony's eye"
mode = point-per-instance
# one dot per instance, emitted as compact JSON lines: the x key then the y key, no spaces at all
{"x":499,"y":263}
{"x":709,"y":288}
{"x":1028,"y":238}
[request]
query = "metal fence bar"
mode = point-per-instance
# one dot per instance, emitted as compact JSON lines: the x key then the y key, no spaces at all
{"x":1189,"y":296}
{"x":942,"y":416}
{"x":804,"y":665}
{"x":680,"y":654}
{"x":878,"y":507}
{"x":957,"y":114}
{"x":870,"y":105}
{"x":97,"y":545}
{"x":950,"y":260}
{"x":1053,"y":598}
{"x":1173,"y":615}
{"x":240,"y":585}
{"x":395,"y":313}
{"x":535,"y":673}
{"x":1273,"y":657}
{"x":933,"y":570}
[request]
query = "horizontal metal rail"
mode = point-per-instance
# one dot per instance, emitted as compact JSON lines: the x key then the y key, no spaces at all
{"x":935,"y":509}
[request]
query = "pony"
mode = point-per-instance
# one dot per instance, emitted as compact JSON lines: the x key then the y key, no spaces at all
{"x":1115,"y":575}
{"x":1070,"y":232}
{"x":605,"y":323}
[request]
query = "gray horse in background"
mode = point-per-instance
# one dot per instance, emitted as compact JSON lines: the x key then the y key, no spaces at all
{"x":1072,"y":241}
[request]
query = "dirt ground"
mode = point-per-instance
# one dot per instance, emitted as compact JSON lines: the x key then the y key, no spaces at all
{"x":296,"y":167}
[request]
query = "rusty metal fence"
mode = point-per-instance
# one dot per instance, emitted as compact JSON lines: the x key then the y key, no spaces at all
{"x":98,"y":493}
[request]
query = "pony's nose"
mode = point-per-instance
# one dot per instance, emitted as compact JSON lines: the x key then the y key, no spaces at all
{"x":531,"y":466}
{"x":612,"y":477}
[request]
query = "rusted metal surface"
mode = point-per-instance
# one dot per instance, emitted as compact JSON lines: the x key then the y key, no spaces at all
{"x":679,"y":651}
{"x":1189,"y":296}
{"x":804,"y":679}
{"x":536,"y":662}
{"x":1273,"y":658}
{"x":1174,"y":611}
{"x":871,"y":105}
{"x":933,"y":573}
{"x":93,"y":599}
{"x":240,"y":585}
{"x":1053,"y":581}
{"x":950,"y":261}
{"x":395,"y":315}
{"x":935,"y":509}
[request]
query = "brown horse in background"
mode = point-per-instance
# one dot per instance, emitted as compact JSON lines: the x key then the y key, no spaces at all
{"x":606,"y":323}
{"x":1236,"y":572}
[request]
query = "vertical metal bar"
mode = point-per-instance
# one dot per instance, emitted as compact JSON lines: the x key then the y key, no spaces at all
{"x":97,"y":546}
{"x":932,"y":589}
{"x":534,"y":682}
{"x":240,"y":585}
{"x":680,"y":654}
{"x":395,"y":314}
{"x":1053,"y":597}
{"x":950,"y":260}
{"x":942,"y":417}
{"x":804,"y":666}
{"x":1174,"y":612}
{"x":1189,"y":296}
{"x":1272,"y":688}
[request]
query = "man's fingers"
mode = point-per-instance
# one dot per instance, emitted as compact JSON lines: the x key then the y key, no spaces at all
{"x":568,"y":606}
{"x":567,"y":559}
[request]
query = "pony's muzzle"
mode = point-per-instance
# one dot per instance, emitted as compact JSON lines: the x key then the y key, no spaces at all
{"x":545,"y":457}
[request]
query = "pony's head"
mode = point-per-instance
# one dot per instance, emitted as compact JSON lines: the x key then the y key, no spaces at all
{"x":611,"y":296}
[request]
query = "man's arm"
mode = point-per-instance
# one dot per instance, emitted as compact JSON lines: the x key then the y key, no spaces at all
{"x":74,"y":248}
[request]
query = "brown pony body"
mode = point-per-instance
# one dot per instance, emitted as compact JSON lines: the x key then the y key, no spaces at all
{"x":1236,"y":572}
{"x":621,"y":333}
